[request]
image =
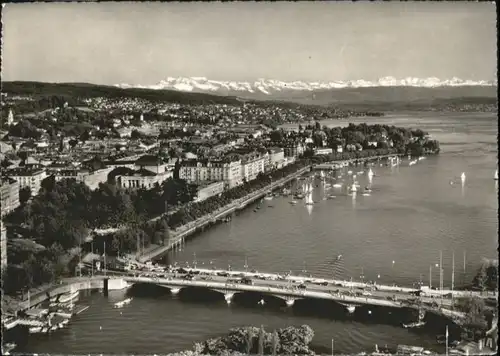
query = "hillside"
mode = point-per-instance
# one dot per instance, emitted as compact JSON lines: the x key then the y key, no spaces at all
{"x":85,"y":90}
{"x":466,"y":98}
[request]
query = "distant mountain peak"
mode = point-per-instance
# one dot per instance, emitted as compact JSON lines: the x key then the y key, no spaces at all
{"x":271,"y":86}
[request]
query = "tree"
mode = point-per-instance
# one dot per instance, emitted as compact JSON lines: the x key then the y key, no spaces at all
{"x":24,"y":195}
{"x":474,"y":309}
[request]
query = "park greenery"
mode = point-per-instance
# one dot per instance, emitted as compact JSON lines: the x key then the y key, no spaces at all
{"x":358,"y":141}
{"x":257,"y":341}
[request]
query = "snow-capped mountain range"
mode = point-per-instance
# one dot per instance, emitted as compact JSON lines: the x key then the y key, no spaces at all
{"x":271,"y":86}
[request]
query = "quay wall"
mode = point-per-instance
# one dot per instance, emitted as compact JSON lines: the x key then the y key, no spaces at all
{"x":239,"y":204}
{"x":72,"y":285}
{"x":338,"y":164}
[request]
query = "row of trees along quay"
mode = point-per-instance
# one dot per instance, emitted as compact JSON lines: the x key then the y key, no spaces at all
{"x":47,"y":233}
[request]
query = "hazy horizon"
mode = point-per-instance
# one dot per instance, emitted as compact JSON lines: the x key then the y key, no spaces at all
{"x":143,"y":43}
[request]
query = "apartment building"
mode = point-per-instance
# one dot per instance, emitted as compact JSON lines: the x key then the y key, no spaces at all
{"x":252,"y":164}
{"x":201,"y":171}
{"x":31,"y":178}
{"x":9,"y":192}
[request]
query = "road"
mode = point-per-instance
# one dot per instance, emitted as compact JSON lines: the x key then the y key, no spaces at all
{"x":336,"y":291}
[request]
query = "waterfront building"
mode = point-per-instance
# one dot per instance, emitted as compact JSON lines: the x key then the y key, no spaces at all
{"x":206,"y":191}
{"x":251,"y":165}
{"x":9,"y":195}
{"x":26,"y":177}
{"x":227,"y":170}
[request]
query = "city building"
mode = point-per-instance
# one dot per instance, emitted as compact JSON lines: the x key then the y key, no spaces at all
{"x":91,"y":179}
{"x":31,"y":178}
{"x":227,"y":170}
{"x":276,"y":158}
{"x":9,"y":195}
{"x":151,"y":163}
{"x":206,"y":191}
{"x":251,"y":165}
{"x":3,"y":244}
{"x":323,"y":151}
{"x":142,"y":178}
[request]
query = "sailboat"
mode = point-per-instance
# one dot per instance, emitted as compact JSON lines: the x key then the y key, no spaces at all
{"x":370,"y":173}
{"x":309,"y":198}
{"x":495,"y":177}
{"x":354,"y":188}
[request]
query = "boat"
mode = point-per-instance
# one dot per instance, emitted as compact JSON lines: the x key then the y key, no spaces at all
{"x":293,"y":202}
{"x":331,"y":196}
{"x":122,"y":303}
{"x":337,"y":185}
{"x":35,"y":329}
{"x":417,"y":324}
{"x":299,"y":196}
{"x":351,"y":309}
{"x":339,"y":257}
{"x":268,"y":196}
{"x":366,"y":194}
{"x":495,"y":177}
{"x":462,"y":176}
{"x":354,"y":188}
{"x":68,"y":297}
{"x":368,"y":190}
{"x":309,"y":199}
{"x":7,"y":348}
{"x":370,"y":173}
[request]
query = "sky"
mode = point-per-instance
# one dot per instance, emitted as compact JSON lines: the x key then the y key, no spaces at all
{"x":143,"y":43}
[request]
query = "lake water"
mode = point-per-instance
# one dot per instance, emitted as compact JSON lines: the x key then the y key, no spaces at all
{"x":392,"y":236}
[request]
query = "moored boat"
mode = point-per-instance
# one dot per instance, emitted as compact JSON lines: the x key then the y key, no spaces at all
{"x":68,"y":297}
{"x":122,"y":303}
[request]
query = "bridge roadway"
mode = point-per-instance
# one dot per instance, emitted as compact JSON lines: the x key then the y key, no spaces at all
{"x":287,"y":289}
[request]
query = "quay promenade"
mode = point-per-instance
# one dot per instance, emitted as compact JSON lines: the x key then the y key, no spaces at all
{"x":340,"y":164}
{"x":181,"y":233}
